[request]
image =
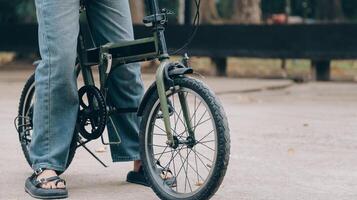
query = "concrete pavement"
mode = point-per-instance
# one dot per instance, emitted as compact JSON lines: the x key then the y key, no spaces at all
{"x":299,"y":142}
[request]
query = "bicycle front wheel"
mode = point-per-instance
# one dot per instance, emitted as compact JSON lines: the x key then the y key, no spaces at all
{"x":195,"y":167}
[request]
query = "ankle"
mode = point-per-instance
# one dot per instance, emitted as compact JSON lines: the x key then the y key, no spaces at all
{"x":137,"y":165}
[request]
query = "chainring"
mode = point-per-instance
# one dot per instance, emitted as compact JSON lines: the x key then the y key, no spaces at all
{"x":92,"y":115}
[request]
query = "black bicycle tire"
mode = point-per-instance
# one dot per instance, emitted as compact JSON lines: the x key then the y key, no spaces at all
{"x":223,"y":139}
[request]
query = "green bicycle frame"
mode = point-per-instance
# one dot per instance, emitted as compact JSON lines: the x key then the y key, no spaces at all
{"x":138,"y":50}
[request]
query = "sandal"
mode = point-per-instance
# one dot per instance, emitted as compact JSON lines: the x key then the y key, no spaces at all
{"x":34,"y":187}
{"x":166,"y":175}
{"x":169,"y":180}
{"x":137,"y":177}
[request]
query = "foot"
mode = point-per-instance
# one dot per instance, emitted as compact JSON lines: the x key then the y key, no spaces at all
{"x":46,"y":185}
{"x":137,"y":176}
{"x":52,"y":184}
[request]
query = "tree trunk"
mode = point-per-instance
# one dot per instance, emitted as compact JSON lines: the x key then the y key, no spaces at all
{"x":247,"y":12}
{"x":181,"y":12}
{"x":137,"y":11}
{"x":208,"y":12}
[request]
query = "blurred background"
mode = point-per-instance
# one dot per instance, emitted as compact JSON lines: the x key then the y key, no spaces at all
{"x":285,"y":71}
{"x":220,"y":11}
{"x":297,"y":39}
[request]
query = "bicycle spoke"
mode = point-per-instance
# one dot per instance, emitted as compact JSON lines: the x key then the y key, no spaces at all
{"x":186,"y":172}
{"x":206,"y":135}
{"x":177,"y":116}
{"x":194,"y":128}
{"x":173,"y":161}
{"x":198,"y":179}
{"x":194,"y":113}
{"x":155,"y":145}
{"x":200,"y":120}
{"x":207,"y":141}
{"x":204,"y":156}
{"x":190,"y":159}
{"x":198,"y":175}
{"x":198,"y":123}
{"x":162,"y":153}
{"x":201,"y":123}
{"x":183,"y":166}
{"x":194,"y":106}
{"x":27,"y":140}
{"x":28,"y":110}
{"x":22,"y":125}
{"x":184,"y":124}
{"x":159,"y":134}
{"x":195,"y":152}
{"x":160,"y":128}
{"x":168,"y":151}
{"x":206,"y":146}
{"x":174,"y":131}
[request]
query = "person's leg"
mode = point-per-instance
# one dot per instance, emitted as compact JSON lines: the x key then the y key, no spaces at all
{"x":111,"y":21}
{"x":56,"y":106}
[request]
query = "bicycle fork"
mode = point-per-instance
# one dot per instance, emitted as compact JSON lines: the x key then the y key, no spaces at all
{"x":160,"y":83}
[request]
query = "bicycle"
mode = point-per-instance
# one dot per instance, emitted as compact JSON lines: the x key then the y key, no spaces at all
{"x":184,"y":130}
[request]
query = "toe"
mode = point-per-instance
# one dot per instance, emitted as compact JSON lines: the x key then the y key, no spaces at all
{"x":46,"y":186}
{"x":52,"y":185}
{"x":61,"y":185}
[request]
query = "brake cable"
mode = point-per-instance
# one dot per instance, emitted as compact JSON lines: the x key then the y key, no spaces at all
{"x":196,"y":23}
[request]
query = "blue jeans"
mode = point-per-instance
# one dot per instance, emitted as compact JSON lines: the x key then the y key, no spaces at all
{"x":56,"y":104}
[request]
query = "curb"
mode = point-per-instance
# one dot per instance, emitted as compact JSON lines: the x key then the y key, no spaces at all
{"x":265,"y":88}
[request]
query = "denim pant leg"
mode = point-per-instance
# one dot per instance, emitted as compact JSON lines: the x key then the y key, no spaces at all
{"x":111,"y":21}
{"x":56,"y":103}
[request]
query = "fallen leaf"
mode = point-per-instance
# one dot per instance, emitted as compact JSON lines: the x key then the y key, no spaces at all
{"x":199,"y":183}
{"x":101,"y":149}
{"x":291,"y":151}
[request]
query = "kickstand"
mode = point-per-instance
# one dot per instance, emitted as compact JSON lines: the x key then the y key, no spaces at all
{"x":91,"y":153}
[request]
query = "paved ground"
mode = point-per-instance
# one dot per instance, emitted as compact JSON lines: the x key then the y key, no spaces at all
{"x":294,"y":143}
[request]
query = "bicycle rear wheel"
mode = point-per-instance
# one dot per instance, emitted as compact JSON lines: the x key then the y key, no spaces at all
{"x":24,"y":121}
{"x":197,"y":164}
